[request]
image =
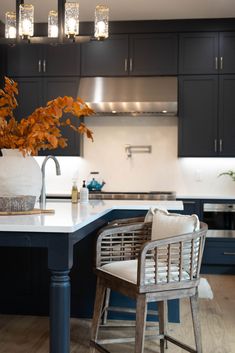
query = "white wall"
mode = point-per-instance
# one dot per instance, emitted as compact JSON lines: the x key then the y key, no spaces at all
{"x":160,"y":170}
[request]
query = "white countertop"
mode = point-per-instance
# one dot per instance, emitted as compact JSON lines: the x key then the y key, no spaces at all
{"x":70,"y":217}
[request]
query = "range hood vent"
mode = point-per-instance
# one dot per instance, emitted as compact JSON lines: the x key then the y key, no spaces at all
{"x":130,"y":95}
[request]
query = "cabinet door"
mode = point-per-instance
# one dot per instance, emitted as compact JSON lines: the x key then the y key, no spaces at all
{"x":198,"y":97}
{"x":52,"y":88}
{"x":227,"y":52}
{"x":226,"y":115}
{"x":61,"y":60}
{"x":24,"y":60}
{"x":29,"y":97}
{"x":2,"y":63}
{"x":198,"y":53}
{"x":105,"y":58}
{"x":153,"y":54}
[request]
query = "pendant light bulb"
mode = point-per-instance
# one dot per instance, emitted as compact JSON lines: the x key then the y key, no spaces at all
{"x":71,"y":20}
{"x":101,"y":22}
{"x":26,"y":20}
{"x":53,"y":24}
{"x":10,"y":25}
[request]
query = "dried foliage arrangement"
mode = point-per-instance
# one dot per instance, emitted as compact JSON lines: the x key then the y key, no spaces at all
{"x":41,"y":129}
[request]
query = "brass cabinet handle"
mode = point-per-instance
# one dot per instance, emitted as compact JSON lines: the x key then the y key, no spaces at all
{"x":125,"y":65}
{"x":216,"y":62}
{"x":228,"y":253}
{"x":215,"y":145}
{"x":44,"y":65}
{"x":131,"y":64}
{"x":220,"y":145}
{"x":39,"y":65}
{"x":221,"y":63}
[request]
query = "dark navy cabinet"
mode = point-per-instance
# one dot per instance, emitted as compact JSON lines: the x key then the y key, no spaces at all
{"x":198,"y":116}
{"x":226,"y":130}
{"x":219,"y":256}
{"x":153,"y":54}
{"x":135,"y":55}
{"x":105,"y":58}
{"x":206,"y":122}
{"x":198,"y":53}
{"x":35,"y":92}
{"x":43,"y":60}
{"x":227,"y":53}
{"x":207,"y":53}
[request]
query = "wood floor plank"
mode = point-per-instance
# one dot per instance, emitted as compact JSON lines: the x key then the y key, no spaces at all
{"x":27,"y":334}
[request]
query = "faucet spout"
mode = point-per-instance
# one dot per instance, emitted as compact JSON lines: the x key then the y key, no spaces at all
{"x":43,"y":168}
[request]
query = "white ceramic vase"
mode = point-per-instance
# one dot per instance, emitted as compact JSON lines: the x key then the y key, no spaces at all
{"x":19,"y":175}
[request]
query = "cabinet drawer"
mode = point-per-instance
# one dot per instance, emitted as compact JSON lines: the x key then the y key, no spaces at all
{"x":219,"y":254}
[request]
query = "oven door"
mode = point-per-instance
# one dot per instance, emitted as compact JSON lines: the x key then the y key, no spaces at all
{"x":220,"y":219}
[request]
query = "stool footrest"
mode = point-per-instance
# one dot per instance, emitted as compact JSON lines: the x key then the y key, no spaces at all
{"x":180,"y":344}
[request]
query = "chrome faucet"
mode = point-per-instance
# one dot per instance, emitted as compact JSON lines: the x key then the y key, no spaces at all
{"x":58,"y":172}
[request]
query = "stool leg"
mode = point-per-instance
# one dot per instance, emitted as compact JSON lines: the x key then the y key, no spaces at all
{"x":99,"y":300}
{"x":106,"y":305}
{"x":196,"y":322}
{"x":141,"y":310}
{"x":162,"y":316}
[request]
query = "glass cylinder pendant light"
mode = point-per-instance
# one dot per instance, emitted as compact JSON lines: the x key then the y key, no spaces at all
{"x":10,"y":25}
{"x":53,"y":24}
{"x":26,"y":20}
{"x":101,"y":22}
{"x":71,"y":20}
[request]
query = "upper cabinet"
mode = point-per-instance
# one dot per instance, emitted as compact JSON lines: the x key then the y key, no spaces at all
{"x":206,"y":116}
{"x":43,"y":60}
{"x":207,"y":53}
{"x":136,"y":55}
{"x":198,"y":116}
{"x":105,"y":58}
{"x":35,"y":92}
{"x":227,"y":52}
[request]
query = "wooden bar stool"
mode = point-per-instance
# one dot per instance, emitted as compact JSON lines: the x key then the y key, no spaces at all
{"x":148,"y":271}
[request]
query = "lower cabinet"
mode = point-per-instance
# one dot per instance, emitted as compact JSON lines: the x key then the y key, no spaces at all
{"x":36,"y":92}
{"x":219,"y":256}
{"x":26,"y":279}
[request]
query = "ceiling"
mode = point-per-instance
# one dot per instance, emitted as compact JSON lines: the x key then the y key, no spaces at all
{"x":122,"y":10}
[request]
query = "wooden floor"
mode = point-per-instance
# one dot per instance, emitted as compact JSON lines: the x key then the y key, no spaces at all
{"x":30,"y":334}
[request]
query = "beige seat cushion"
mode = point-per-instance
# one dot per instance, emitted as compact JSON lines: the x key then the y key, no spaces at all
{"x":165,"y":224}
{"x":127,"y":270}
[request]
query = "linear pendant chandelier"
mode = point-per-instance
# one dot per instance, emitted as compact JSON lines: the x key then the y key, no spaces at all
{"x":63,"y":24}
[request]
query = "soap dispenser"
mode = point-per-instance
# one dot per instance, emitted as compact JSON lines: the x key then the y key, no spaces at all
{"x":84,"y":193}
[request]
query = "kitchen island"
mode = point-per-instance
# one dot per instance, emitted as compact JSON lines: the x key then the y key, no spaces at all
{"x":59,"y":233}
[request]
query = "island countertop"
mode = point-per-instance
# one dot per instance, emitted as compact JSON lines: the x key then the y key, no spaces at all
{"x":69,"y":217}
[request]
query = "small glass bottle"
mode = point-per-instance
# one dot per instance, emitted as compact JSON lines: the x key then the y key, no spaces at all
{"x":74,"y":193}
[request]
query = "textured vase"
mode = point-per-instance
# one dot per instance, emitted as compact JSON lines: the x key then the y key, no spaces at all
{"x":19,"y":175}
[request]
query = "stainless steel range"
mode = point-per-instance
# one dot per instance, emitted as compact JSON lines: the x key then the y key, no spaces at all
{"x":152,"y":195}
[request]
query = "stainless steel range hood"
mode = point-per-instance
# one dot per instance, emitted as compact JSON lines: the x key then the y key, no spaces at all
{"x":130,"y":95}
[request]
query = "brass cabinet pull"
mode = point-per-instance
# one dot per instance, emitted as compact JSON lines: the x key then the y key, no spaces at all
{"x":125,"y":65}
{"x":131,"y":64}
{"x":39,"y":65}
{"x":220,"y":145}
{"x":215,"y":145}
{"x":228,"y":253}
{"x":216,"y":62}
{"x":221,"y":63}
{"x":44,"y":65}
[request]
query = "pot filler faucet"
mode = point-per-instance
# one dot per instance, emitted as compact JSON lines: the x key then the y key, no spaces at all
{"x":58,"y":172}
